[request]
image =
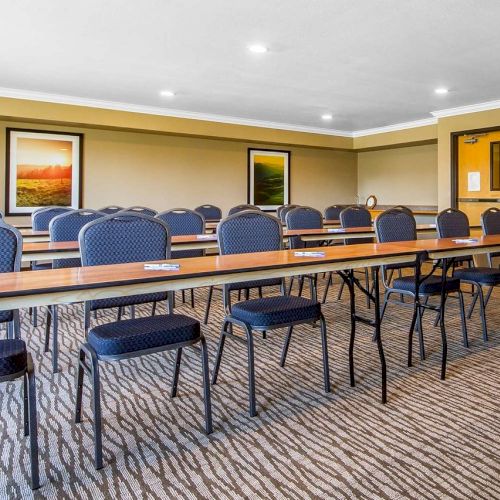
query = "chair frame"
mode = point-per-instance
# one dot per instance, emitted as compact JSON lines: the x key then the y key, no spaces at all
{"x":92,"y":369}
{"x":29,"y":414}
{"x":208,"y":205}
{"x":230,"y":320}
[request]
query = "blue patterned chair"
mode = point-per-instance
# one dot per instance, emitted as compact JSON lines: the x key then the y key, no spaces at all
{"x":490,"y":222}
{"x":333,"y":212}
{"x":131,"y":238}
{"x":11,"y":244}
{"x":140,"y":210}
{"x":284,"y":210}
{"x":209,"y":212}
{"x":452,"y":223}
{"x":110,"y":209}
{"x":182,"y":221}
{"x":260,"y":232}
{"x":64,"y":227}
{"x":403,"y":209}
{"x":241,"y":208}
{"x":303,"y":218}
{"x":15,"y":361}
{"x":397,"y":225}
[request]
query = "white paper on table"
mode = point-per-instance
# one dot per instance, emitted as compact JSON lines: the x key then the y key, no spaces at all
{"x":474,"y":181}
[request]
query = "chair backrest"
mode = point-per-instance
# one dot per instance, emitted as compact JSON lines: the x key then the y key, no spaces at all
{"x":403,"y":209}
{"x":333,"y":212}
{"x":355,"y":217}
{"x":303,"y":218}
{"x":66,"y":227}
{"x":183,"y":221}
{"x":210,"y":212}
{"x":140,"y":210}
{"x":110,"y":209}
{"x":121,"y":238}
{"x":284,"y":210}
{"x":395,"y":225}
{"x":40,"y":219}
{"x":452,"y":223}
{"x":11,"y":247}
{"x":241,"y":208}
{"x":490,"y":221}
{"x":249,"y":231}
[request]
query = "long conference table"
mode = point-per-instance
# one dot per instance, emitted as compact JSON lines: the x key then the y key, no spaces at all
{"x":42,"y":249}
{"x":60,"y":286}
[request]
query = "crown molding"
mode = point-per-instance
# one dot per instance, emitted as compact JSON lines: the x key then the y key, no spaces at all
{"x":156,"y":110}
{"x":395,"y":127}
{"x":463,"y":110}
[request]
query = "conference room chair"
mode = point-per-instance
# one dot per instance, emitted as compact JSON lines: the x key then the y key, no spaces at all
{"x":121,"y":239}
{"x":353,"y":216}
{"x":490,"y":222}
{"x":15,"y":361}
{"x":243,"y":287}
{"x":140,"y":210}
{"x":241,"y":208}
{"x":260,"y":232}
{"x":409,"y":211}
{"x":333,"y":212}
{"x":40,"y":220}
{"x":284,"y":210}
{"x":64,"y":227}
{"x":182,"y":221}
{"x":452,"y":223}
{"x":303,"y":218}
{"x":111,"y":209}
{"x":209,"y":212}
{"x":395,"y":225}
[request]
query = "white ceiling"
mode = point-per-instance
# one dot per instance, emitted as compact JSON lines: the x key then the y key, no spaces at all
{"x":371,"y":63}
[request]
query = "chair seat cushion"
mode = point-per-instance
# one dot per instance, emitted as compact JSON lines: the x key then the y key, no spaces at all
{"x":255,"y":284}
{"x":483,"y":275}
{"x":122,"y":337}
{"x":13,"y":356}
{"x":431,"y":286}
{"x":41,"y":267}
{"x":270,"y":311}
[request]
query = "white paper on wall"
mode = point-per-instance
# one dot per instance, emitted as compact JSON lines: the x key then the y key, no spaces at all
{"x":474,"y":181}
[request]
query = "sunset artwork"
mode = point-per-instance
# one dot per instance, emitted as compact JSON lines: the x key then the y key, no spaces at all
{"x":42,"y":170}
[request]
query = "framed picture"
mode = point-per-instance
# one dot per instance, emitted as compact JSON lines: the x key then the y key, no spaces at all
{"x":42,"y":169}
{"x":494,"y":166}
{"x":268,"y":178}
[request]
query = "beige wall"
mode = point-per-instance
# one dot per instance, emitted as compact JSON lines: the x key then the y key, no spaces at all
{"x":405,"y":176}
{"x":163,"y":171}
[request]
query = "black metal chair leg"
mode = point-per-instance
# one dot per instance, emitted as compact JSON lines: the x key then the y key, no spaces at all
{"x":209,"y":303}
{"x":284,"y":351}
{"x":482,"y":311}
{"x":352,"y":337}
{"x":301,"y":285}
{"x":324,"y":345}
{"x":96,"y":406}
{"x":220,"y":348}
{"x":260,"y":292}
{"x":26,"y":406}
{"x":153,"y":309}
{"x":420,"y":332}
{"x":473,"y":303}
{"x":55,"y":340}
{"x":33,"y":428}
{"x":329,"y":282}
{"x":120,"y":313}
{"x":383,"y":366}
{"x":48,"y":322}
{"x":177,"y":368}
{"x":183,"y":293}
{"x":367,"y":286}
{"x":251,"y":373}
{"x":341,"y":289}
{"x":79,"y":386}
{"x":465,"y":338}
{"x":206,"y":387}
{"x":192,"y":297}
{"x":34,"y":317}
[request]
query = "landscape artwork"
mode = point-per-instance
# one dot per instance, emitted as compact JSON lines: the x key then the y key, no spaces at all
{"x":268,"y":178}
{"x":43,"y":169}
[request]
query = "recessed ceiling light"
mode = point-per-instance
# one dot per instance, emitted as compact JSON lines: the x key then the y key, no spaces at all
{"x":167,"y":93}
{"x":257,"y":48}
{"x":441,"y":91}
{"x":327,"y":116}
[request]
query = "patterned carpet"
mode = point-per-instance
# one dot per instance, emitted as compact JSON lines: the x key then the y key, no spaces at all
{"x":434,"y":439}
